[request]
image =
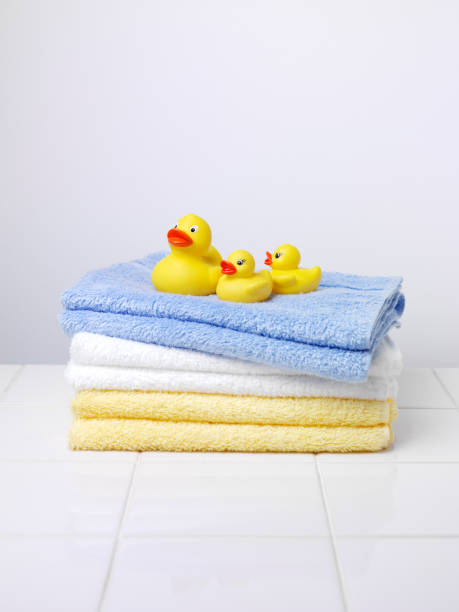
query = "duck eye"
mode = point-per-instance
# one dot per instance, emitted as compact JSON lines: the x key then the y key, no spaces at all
{"x":277,"y":255}
{"x":240,"y":262}
{"x":194,"y":228}
{"x":175,"y":226}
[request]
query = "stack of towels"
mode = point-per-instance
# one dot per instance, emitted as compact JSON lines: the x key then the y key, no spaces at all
{"x":298,"y":373}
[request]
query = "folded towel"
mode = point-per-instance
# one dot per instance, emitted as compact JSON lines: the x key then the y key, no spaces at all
{"x":146,"y":435}
{"x":148,"y":379}
{"x":334,"y":363}
{"x":347,"y":311}
{"x":331,"y":332}
{"x":215,"y":408}
{"x":99,"y":350}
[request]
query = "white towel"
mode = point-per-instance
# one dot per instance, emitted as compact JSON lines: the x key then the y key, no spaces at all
{"x":149,"y":379}
{"x":98,"y":350}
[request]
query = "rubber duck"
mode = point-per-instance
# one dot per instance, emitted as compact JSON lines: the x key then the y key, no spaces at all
{"x":193,"y":266}
{"x":240,"y":282}
{"x":287,"y":276}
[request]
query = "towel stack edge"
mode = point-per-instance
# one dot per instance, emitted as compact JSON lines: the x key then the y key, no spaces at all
{"x":233,"y":409}
{"x":309,"y":414}
{"x":162,"y":372}
{"x":149,"y":435}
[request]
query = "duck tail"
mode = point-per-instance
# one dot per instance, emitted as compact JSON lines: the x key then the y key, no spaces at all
{"x":213,"y":257}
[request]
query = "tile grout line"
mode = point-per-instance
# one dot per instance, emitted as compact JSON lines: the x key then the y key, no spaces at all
{"x":54,"y":536}
{"x":357,"y":461}
{"x":399,"y":536}
{"x":12,"y":380}
{"x":225,"y":536}
{"x":405,"y":407}
{"x":244,"y":536}
{"x":391,"y":462}
{"x":445,"y":388}
{"x":74,"y":461}
{"x":117,"y":536}
{"x":338,"y":568}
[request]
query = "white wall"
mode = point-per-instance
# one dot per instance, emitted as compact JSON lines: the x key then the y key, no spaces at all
{"x":332,"y":125}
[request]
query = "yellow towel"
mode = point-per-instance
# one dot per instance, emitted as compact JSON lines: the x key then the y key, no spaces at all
{"x":217,"y":408}
{"x":148,"y":435}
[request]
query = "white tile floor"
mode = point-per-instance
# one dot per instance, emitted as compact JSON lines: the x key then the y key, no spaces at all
{"x":163,"y":531}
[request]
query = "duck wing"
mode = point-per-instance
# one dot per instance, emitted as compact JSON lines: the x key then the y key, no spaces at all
{"x":284,"y":279}
{"x":311,"y":275}
{"x":213,"y":257}
{"x":256,"y":285}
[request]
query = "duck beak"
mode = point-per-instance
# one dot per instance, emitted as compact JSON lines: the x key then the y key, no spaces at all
{"x":178,"y":238}
{"x":228,"y":267}
{"x":269,"y":259}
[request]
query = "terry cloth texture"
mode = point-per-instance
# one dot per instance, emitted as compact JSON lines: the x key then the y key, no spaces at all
{"x":331,"y":332}
{"x":348,"y":311}
{"x":147,"y":379}
{"x":98,"y":350}
{"x":215,"y":408}
{"x":147,"y":435}
{"x":338,"y":364}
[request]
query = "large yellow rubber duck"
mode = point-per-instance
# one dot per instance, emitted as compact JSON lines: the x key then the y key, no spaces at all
{"x":287,"y":276}
{"x":240,"y":283}
{"x":193,"y":266}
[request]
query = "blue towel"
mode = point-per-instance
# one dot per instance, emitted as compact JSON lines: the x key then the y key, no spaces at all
{"x":339,"y":364}
{"x":331,"y":332}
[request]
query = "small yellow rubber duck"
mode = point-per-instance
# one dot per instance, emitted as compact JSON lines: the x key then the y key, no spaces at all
{"x":240,"y":283}
{"x":193,"y":266}
{"x":287,"y":276}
